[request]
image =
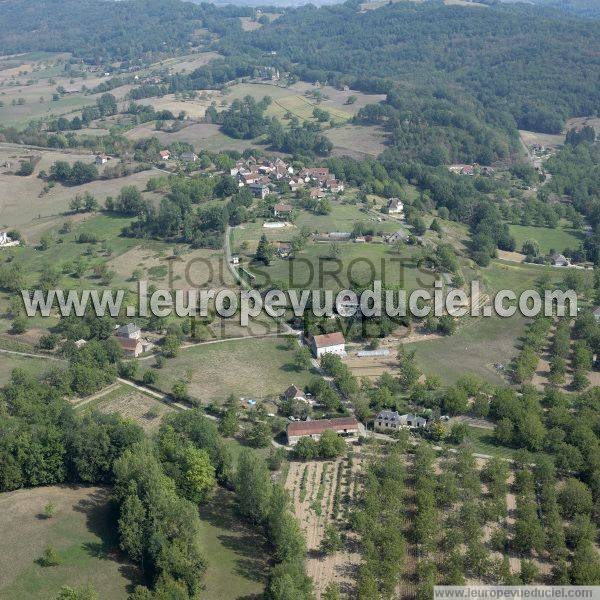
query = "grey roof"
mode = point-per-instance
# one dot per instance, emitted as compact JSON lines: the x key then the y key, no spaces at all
{"x":389,"y":415}
{"x":128,"y":329}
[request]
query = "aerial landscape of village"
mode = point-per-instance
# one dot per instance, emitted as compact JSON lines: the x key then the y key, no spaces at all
{"x":299,"y":302}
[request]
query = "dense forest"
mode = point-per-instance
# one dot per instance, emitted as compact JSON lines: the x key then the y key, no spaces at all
{"x":583,"y":8}
{"x":538,"y":66}
{"x":105,"y":31}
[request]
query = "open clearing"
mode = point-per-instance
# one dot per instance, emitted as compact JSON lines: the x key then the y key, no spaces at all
{"x":82,"y":531}
{"x":32,"y":366}
{"x":131,"y":404}
{"x":317,"y":489}
{"x":357,"y":141}
{"x":235,"y":554}
{"x":22,"y":199}
{"x":252,"y":368}
{"x":543,"y":139}
{"x":548,"y":238}
{"x":201,"y":135}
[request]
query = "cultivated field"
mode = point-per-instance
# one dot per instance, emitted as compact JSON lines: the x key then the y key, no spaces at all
{"x":322,"y":492}
{"x":82,"y":531}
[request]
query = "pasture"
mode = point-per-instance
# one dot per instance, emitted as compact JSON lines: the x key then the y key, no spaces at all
{"x":251,"y":368}
{"x":558,"y":238}
{"x":235,"y":554}
{"x":131,"y":404}
{"x":83,"y":533}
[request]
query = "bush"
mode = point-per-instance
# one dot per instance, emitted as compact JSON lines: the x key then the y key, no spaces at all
{"x":50,"y":558}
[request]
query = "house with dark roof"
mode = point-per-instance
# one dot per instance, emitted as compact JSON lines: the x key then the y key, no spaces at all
{"x":390,"y":420}
{"x":395,"y":206}
{"x":294,"y":393}
{"x":130,"y":331}
{"x":344,"y":426}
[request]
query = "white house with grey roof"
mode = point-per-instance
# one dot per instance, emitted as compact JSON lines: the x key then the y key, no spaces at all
{"x":389,"y":420}
{"x":130,"y":331}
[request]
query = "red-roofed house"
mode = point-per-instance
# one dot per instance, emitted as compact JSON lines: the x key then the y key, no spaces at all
{"x":328,"y":343}
{"x":345,"y":426}
{"x":165,"y":154}
{"x":282,"y":210}
{"x":131,"y":347}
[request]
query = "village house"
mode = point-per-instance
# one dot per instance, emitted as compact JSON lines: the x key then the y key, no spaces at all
{"x":283,"y":249}
{"x":390,"y":419}
{"x":80,"y":344}
{"x":259,"y":190}
{"x":344,"y":426}
{"x":334,"y":186}
{"x":6,"y":241}
{"x":130,"y":331}
{"x":395,"y":206}
{"x":294,"y":393}
{"x":132,"y":348}
{"x":296,"y":183}
{"x":282,"y":210}
{"x":328,"y":343}
{"x":560,"y":260}
{"x":102,"y":159}
{"x":316,"y":193}
{"x":319,"y":174}
{"x":189,"y":156}
{"x":164,"y":155}
{"x":399,"y":236}
{"x":235,"y":260}
{"x":468,"y":170}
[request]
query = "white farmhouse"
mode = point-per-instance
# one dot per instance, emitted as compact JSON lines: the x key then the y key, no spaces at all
{"x":329,"y":343}
{"x":395,"y":206}
{"x":7,"y":242}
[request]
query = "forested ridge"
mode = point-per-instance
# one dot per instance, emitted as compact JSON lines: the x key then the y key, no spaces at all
{"x":538,"y":66}
{"x":106,"y":30}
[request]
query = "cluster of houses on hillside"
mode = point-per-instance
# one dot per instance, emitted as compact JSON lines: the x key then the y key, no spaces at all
{"x":472,"y":170}
{"x":259,"y":174}
{"x":165,"y":155}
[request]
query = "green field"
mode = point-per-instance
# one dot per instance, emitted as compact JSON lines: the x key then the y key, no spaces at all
{"x":474,"y":348}
{"x":252,"y":368}
{"x":482,"y":441}
{"x":236,"y":556}
{"x":549,"y":239}
{"x":82,"y":531}
{"x":32,"y":366}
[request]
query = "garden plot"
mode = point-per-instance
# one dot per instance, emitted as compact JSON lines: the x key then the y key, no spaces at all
{"x":322,"y":491}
